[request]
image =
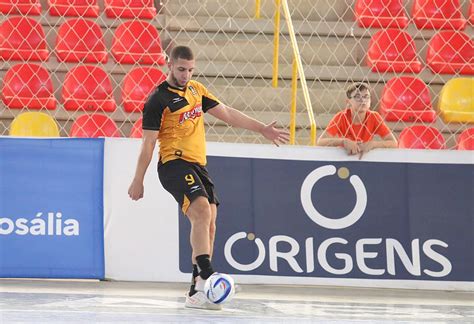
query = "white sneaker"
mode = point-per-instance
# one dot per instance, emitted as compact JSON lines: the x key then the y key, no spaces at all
{"x":200,"y":301}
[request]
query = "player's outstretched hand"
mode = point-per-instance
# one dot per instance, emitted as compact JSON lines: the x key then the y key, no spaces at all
{"x":135,"y":191}
{"x":277,"y":136}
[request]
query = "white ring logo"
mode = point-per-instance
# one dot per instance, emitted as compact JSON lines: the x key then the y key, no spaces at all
{"x":243,"y":267}
{"x":346,"y":221}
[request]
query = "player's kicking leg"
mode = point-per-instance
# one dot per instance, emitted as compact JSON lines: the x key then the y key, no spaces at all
{"x":199,"y":214}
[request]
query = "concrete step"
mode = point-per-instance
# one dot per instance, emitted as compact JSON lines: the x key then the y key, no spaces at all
{"x":300,"y":9}
{"x":259,"y":48}
{"x":215,"y":70}
{"x":212,"y":69}
{"x":250,"y":25}
{"x":230,"y":25}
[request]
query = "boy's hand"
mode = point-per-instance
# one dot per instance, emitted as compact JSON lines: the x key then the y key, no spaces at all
{"x":351,"y":147}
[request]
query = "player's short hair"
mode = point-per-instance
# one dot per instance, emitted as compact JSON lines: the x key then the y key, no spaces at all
{"x":360,"y":86}
{"x":182,"y":52}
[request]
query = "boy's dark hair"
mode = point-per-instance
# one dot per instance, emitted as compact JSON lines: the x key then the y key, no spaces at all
{"x":182,"y":52}
{"x":360,"y":86}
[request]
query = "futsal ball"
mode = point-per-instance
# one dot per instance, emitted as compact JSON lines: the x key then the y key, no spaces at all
{"x":219,"y":288}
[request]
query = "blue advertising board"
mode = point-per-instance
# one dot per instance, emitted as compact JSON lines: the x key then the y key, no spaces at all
{"x":51,"y":208}
{"x":354,"y":219}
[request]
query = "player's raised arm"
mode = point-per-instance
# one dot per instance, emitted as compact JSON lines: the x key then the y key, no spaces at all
{"x":135,"y":191}
{"x":236,"y":118}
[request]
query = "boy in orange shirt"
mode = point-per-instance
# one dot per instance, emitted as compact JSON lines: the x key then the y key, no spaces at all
{"x":355,"y":127}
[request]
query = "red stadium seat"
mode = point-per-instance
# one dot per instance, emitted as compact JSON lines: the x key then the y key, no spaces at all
{"x":451,"y":52}
{"x":73,"y":8}
{"x":393,"y":50}
{"x":406,"y":99}
{"x":29,"y":86}
{"x":137,"y":42}
{"x":438,"y":14}
{"x":130,"y":9}
{"x":23,"y":39}
{"x":421,"y":137}
{"x":137,"y":131}
{"x":88,"y":87}
{"x":137,"y":86}
{"x":94,"y":125}
{"x":80,"y":40}
{"x":20,"y":7}
{"x":380,"y":14}
{"x":466,"y":140}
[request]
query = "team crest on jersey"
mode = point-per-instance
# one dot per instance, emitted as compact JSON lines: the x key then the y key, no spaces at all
{"x":193,"y":91}
{"x":193,"y":114}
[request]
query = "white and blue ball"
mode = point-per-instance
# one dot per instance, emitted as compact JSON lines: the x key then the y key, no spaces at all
{"x":219,"y":288}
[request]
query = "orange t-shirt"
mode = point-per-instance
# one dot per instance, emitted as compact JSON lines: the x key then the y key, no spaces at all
{"x":342,"y":126}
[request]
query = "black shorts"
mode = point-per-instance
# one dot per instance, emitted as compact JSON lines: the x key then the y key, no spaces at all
{"x":186,"y":181}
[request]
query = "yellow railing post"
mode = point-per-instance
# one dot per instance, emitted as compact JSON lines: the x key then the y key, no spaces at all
{"x":304,"y":86}
{"x":257,"y":9}
{"x":276,"y":43}
{"x":294,"y":93}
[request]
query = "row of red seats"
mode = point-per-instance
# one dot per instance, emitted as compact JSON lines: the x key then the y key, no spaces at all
{"x":428,"y":137}
{"x":81,"y":40}
{"x":408,"y":99}
{"x":100,"y":125}
{"x":88,"y":88}
{"x":394,"y":50}
{"x":426,"y":14}
{"x":85,"y":87}
{"x":82,"y":8}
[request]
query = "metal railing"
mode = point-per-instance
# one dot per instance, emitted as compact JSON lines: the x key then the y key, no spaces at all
{"x":297,"y":70}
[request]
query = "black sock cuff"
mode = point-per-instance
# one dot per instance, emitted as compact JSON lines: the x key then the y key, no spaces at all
{"x":192,"y":290}
{"x":204,"y":265}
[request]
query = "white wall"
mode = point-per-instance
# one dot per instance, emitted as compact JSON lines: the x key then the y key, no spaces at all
{"x":141,"y":238}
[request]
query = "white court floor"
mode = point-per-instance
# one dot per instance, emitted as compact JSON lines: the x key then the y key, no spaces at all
{"x":136,"y":302}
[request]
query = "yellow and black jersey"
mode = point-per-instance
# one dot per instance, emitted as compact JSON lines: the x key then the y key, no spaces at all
{"x":178,"y":116}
